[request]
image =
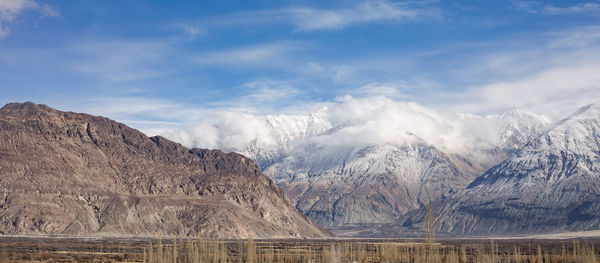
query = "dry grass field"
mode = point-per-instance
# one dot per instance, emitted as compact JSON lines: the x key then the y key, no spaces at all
{"x":44,"y":249}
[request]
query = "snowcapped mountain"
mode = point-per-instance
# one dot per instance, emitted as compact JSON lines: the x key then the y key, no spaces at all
{"x":283,"y":131}
{"x":366,"y":161}
{"x":508,"y":131}
{"x":338,"y":183}
{"x":551,"y":184}
{"x":519,"y":127}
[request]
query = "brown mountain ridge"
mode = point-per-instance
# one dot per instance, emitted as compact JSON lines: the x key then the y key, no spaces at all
{"x":77,"y":174}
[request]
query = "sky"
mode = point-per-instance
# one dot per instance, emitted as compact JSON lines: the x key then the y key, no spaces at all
{"x":165,"y":65}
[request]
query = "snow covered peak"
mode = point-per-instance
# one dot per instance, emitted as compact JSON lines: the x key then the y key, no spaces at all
{"x":520,"y":126}
{"x":577,"y":134}
{"x":569,"y":147}
{"x":288,"y":127}
{"x":591,"y":111}
{"x":524,"y":117}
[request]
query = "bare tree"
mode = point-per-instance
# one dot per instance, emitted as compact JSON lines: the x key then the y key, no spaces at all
{"x":428,"y":231}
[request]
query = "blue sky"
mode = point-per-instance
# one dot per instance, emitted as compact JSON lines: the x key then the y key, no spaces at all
{"x":161,"y":62}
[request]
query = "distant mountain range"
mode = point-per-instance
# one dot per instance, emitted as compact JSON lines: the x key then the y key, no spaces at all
{"x":348,"y":184}
{"x":76,"y":174}
{"x":526,"y":175}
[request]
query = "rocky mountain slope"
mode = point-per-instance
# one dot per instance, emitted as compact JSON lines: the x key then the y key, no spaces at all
{"x":338,"y":184}
{"x":71,"y":173}
{"x":551,"y":185}
{"x":370,"y":184}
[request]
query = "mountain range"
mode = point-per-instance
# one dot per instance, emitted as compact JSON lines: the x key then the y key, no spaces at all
{"x":348,"y":183}
{"x":507,"y":174}
{"x":514,"y":173}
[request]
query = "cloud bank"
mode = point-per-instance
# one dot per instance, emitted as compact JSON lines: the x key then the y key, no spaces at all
{"x":351,"y":122}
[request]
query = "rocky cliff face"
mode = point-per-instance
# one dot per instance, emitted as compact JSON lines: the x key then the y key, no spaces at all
{"x":71,"y":173}
{"x":550,"y":185}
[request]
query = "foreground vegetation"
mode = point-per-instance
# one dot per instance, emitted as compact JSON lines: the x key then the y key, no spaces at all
{"x":178,"y":250}
{"x":343,"y":251}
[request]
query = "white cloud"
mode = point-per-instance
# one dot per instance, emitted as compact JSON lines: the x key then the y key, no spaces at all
{"x":562,"y":67}
{"x":580,"y":85}
{"x":11,"y":9}
{"x":539,"y":8}
{"x":390,"y":90}
{"x":129,"y":105}
{"x":192,"y":32}
{"x":223,"y":129}
{"x":118,"y":60}
{"x":577,"y":38}
{"x":307,"y":19}
{"x":310,"y":19}
{"x":338,"y":73}
{"x":380,"y":120}
{"x":590,"y":7}
{"x":264,"y":96}
{"x":199,"y":135}
{"x":266,"y":55}
{"x":313,"y":67}
{"x":268,"y":91}
{"x":352,"y":122}
{"x":49,"y":11}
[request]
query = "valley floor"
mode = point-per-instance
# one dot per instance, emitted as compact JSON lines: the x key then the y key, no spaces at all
{"x":76,"y":249}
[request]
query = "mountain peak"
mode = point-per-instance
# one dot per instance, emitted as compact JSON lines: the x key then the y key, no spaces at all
{"x":25,"y":107}
{"x":588,"y":111}
{"x":524,"y":115}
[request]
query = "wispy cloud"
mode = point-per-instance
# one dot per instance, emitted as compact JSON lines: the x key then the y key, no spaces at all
{"x":390,"y":90}
{"x":539,"y":8}
{"x":591,"y":7}
{"x":49,"y":11}
{"x":541,"y":90}
{"x":306,"y":19}
{"x":545,"y":69}
{"x":192,"y":32}
{"x":263,"y":55}
{"x":311,"y":19}
{"x":129,"y":105}
{"x":261,"y":96}
{"x":268,"y":91}
{"x":559,"y":71}
{"x":265,"y":96}
{"x":11,"y":9}
{"x":119,"y":60}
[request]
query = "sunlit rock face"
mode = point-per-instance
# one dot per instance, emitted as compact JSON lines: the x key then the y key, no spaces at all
{"x":76,"y":174}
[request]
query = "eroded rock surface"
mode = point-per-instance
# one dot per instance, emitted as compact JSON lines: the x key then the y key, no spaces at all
{"x":72,"y":173}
